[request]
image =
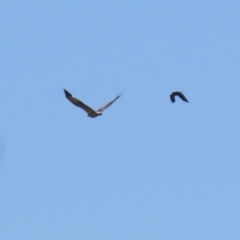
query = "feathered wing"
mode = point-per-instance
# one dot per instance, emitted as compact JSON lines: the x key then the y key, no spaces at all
{"x":78,"y":103}
{"x":67,"y":94}
{"x":179,"y":94}
{"x":108,"y":104}
{"x":172,"y":97}
{"x":182,"y":97}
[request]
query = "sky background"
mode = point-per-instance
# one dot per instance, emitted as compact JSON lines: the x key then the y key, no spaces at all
{"x":145,"y":169}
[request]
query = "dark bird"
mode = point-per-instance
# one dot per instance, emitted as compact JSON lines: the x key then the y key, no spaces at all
{"x":91,"y":113}
{"x":173,"y":94}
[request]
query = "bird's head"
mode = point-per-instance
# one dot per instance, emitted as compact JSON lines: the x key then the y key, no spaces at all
{"x":98,"y":113}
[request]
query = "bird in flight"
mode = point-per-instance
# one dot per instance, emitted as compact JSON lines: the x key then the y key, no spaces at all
{"x":173,"y":94}
{"x":91,"y":113}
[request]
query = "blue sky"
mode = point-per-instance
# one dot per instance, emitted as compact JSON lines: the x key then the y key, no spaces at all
{"x":145,"y":169}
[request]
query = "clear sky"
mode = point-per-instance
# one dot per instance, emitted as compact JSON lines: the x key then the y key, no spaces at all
{"x":145,"y":169}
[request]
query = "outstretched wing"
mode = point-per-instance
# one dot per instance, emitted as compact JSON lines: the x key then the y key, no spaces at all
{"x":77,"y":102}
{"x":182,"y":97}
{"x":172,"y":97}
{"x":108,"y":104}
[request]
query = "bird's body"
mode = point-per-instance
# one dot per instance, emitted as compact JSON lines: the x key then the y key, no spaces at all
{"x":91,"y":113}
{"x":174,"y":94}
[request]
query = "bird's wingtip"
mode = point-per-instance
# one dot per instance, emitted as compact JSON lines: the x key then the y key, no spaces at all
{"x":121,"y":93}
{"x":67,"y":94}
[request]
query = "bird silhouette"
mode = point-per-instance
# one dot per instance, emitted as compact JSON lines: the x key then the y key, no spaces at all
{"x":91,"y":113}
{"x":173,"y":94}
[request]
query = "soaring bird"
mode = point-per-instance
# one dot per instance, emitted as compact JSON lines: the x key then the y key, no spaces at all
{"x":91,"y":113}
{"x":173,"y":94}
